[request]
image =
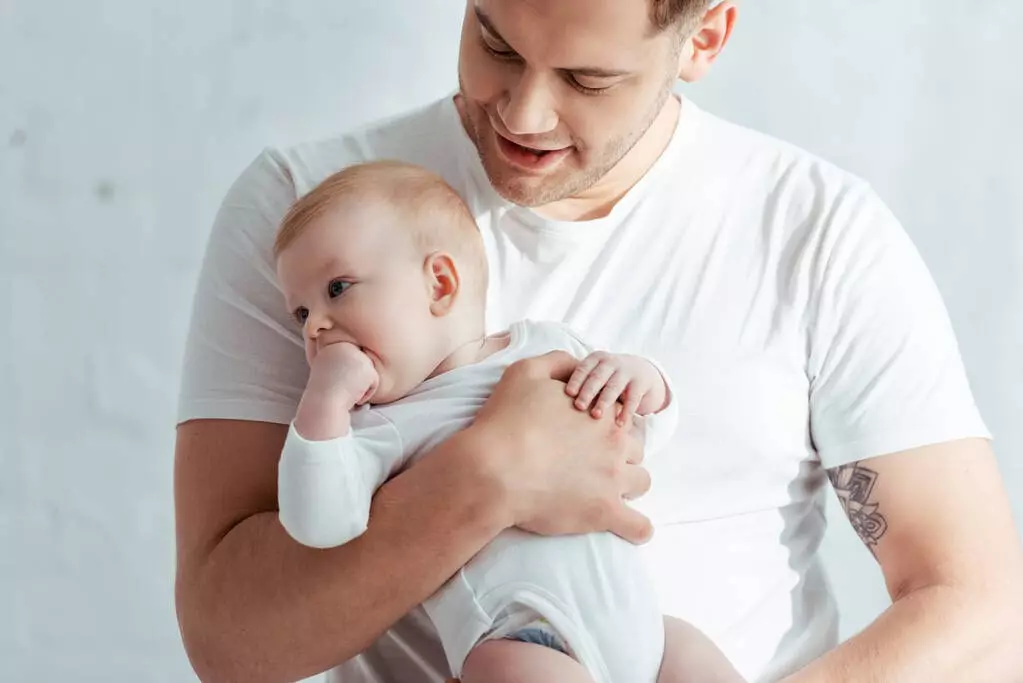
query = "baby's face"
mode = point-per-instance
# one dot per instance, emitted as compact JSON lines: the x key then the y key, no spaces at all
{"x":353,"y":276}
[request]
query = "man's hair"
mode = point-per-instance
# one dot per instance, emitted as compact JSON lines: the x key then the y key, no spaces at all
{"x":438,"y":219}
{"x":682,"y":14}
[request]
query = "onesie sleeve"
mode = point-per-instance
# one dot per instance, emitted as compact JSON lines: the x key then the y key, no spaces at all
{"x":325,"y":488}
{"x":661,"y":426}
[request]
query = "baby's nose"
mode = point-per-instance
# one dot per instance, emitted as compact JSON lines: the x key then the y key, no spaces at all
{"x":316,"y":324}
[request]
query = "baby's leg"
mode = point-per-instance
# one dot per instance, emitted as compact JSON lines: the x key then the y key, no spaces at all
{"x":513,"y":661}
{"x":691,"y":657}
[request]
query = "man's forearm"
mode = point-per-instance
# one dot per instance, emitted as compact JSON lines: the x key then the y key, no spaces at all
{"x":264,"y":608}
{"x":932,"y":635}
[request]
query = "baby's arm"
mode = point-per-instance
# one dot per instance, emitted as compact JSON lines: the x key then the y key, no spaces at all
{"x":327,"y":476}
{"x":341,"y":377}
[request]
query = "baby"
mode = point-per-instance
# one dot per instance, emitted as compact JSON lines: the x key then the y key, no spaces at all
{"x":384,"y":269}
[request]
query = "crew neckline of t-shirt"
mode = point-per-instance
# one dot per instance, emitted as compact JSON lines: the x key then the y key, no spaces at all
{"x":516,"y":338}
{"x":686,"y":128}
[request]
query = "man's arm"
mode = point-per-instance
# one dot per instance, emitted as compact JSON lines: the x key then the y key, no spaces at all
{"x":939,"y":523}
{"x":254,"y":605}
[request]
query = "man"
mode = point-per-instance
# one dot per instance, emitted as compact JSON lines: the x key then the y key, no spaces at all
{"x":806,"y":337}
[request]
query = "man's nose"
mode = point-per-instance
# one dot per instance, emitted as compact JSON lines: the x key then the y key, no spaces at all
{"x":527,"y":108}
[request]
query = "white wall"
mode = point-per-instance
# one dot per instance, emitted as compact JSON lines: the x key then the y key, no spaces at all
{"x":123,"y":121}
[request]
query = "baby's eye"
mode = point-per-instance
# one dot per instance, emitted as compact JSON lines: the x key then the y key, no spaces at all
{"x":301,"y":313}
{"x":337,"y":288}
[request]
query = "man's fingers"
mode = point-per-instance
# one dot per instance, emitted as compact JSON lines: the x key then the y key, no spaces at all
{"x":555,"y":364}
{"x":635,"y":482}
{"x":635,"y":439}
{"x":631,"y":525}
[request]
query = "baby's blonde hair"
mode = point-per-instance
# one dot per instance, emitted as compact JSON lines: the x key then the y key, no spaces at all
{"x":439,"y":220}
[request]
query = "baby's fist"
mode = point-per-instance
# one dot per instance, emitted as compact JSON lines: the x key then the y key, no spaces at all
{"x":342,"y":370}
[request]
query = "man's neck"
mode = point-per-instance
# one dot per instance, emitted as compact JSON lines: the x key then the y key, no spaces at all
{"x":598,"y":200}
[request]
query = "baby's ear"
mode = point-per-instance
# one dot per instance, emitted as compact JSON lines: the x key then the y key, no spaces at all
{"x":442,"y":281}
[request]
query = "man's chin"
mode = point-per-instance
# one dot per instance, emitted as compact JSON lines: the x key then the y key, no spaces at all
{"x":523,"y":193}
{"x":524,"y":189}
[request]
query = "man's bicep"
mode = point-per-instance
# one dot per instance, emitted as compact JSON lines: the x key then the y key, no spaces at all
{"x":244,"y":367}
{"x":244,"y":357}
{"x":935,"y":515}
{"x":224,"y":472}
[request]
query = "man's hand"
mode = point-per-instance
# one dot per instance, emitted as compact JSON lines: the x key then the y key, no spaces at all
{"x":561,"y":471}
{"x":341,"y":377}
{"x":601,"y":379}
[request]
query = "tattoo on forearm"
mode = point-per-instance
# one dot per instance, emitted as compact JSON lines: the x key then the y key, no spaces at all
{"x":854,"y":483}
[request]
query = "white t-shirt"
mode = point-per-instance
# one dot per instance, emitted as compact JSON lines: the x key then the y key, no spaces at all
{"x":799,"y":324}
{"x":592,"y":589}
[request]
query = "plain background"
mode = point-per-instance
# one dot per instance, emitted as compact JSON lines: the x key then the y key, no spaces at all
{"x":122,"y":123}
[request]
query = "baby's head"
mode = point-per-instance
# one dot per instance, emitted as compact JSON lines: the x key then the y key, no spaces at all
{"x":386,"y":256}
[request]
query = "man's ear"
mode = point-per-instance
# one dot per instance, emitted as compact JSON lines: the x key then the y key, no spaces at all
{"x":708,"y":40}
{"x":442,"y":282}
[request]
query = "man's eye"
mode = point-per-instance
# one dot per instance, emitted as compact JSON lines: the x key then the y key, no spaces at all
{"x":588,"y":90}
{"x":337,"y":288}
{"x":501,"y":52}
{"x":301,"y":313}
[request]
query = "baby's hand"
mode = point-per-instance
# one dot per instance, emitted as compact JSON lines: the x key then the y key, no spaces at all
{"x":342,"y":371}
{"x":608,"y":377}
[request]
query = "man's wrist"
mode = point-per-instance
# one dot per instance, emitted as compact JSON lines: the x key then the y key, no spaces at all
{"x":483,"y":460}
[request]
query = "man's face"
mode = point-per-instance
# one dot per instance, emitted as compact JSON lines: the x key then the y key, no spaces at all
{"x":556,"y":92}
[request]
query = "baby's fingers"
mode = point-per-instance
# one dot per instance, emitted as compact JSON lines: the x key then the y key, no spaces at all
{"x":613,"y":389}
{"x":582,"y":371}
{"x":633,"y":398}
{"x":593,"y":385}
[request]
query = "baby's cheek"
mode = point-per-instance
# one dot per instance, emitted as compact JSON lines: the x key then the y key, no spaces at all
{"x":310,"y":351}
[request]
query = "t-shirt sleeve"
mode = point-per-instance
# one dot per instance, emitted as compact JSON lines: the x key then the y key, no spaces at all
{"x":885,"y":368}
{"x":324,"y":488}
{"x":243,"y":355}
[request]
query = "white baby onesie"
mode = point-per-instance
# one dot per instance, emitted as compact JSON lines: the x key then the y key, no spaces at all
{"x":591,"y":589}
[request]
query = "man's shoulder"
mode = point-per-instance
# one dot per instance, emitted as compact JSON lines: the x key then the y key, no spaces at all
{"x":424,"y":136}
{"x":796,"y":193}
{"x":778,"y":165}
